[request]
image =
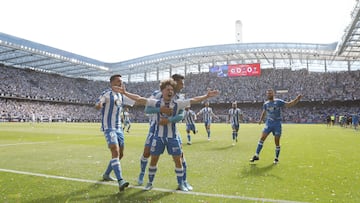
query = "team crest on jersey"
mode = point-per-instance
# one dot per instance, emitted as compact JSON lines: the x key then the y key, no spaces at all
{"x":118,"y":102}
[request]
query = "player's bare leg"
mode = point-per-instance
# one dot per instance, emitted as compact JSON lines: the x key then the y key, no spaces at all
{"x":277,"y":149}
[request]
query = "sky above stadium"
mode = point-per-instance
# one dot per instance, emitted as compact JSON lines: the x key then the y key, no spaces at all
{"x":118,"y":30}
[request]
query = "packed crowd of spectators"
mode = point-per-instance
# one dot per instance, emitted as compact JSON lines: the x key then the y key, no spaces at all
{"x":30,"y":84}
{"x":315,"y":86}
{"x":23,"y":110}
{"x":25,"y":92}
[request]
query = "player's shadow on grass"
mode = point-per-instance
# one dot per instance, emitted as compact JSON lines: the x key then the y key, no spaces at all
{"x":255,"y":170}
{"x":197,"y":142}
{"x":76,"y":195}
{"x":91,"y":194}
{"x":139,"y":195}
{"x":223,"y":147}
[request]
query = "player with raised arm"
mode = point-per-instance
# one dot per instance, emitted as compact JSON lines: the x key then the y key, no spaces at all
{"x":166,"y":136}
{"x":179,"y":79}
{"x":272,"y":112}
{"x":151,"y":112}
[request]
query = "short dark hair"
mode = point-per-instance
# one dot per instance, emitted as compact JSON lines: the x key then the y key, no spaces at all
{"x":177,"y":77}
{"x":114,"y":76}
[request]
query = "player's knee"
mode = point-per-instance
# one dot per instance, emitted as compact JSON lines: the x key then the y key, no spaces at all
{"x":146,"y":154}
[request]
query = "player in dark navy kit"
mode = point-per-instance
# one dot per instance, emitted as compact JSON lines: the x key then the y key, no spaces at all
{"x":272,"y":110}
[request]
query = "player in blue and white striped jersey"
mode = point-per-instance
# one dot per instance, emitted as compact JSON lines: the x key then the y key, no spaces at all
{"x":234,"y":117}
{"x":126,"y":119}
{"x":157,"y":94}
{"x":111,"y":102}
{"x":189,"y":119}
{"x":207,"y":114}
{"x":166,"y":133}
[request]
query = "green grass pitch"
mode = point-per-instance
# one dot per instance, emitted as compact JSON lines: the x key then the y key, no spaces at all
{"x":63,"y":162}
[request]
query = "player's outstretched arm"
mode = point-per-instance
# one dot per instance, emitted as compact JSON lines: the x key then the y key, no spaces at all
{"x":213,"y":114}
{"x":198,"y":99}
{"x":294,"y":101}
{"x":139,"y":99}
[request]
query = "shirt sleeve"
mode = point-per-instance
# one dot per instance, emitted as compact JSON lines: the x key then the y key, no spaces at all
{"x":101,"y":99}
{"x":128,"y":101}
{"x":183,"y":103}
{"x":151,"y":102}
{"x":281,"y":102}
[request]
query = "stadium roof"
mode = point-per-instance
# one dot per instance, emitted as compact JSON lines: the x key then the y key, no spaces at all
{"x":337,"y":56}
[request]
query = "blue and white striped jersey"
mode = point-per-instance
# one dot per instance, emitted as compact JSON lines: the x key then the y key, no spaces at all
{"x":112,"y":104}
{"x":207,"y":113}
{"x":235,"y":115}
{"x":189,"y":116}
{"x":126,"y":116}
{"x":169,"y":130}
{"x":157,"y":94}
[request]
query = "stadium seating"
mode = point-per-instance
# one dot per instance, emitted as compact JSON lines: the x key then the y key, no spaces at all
{"x":50,"y":96}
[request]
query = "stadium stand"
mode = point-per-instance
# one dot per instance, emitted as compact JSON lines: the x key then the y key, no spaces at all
{"x":59,"y":98}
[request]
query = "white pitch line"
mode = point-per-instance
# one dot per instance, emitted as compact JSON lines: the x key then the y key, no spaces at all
{"x":22,"y":143}
{"x":56,"y":141}
{"x":156,"y":189}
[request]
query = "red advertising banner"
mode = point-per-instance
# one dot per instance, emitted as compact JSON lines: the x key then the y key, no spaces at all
{"x":237,"y":70}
